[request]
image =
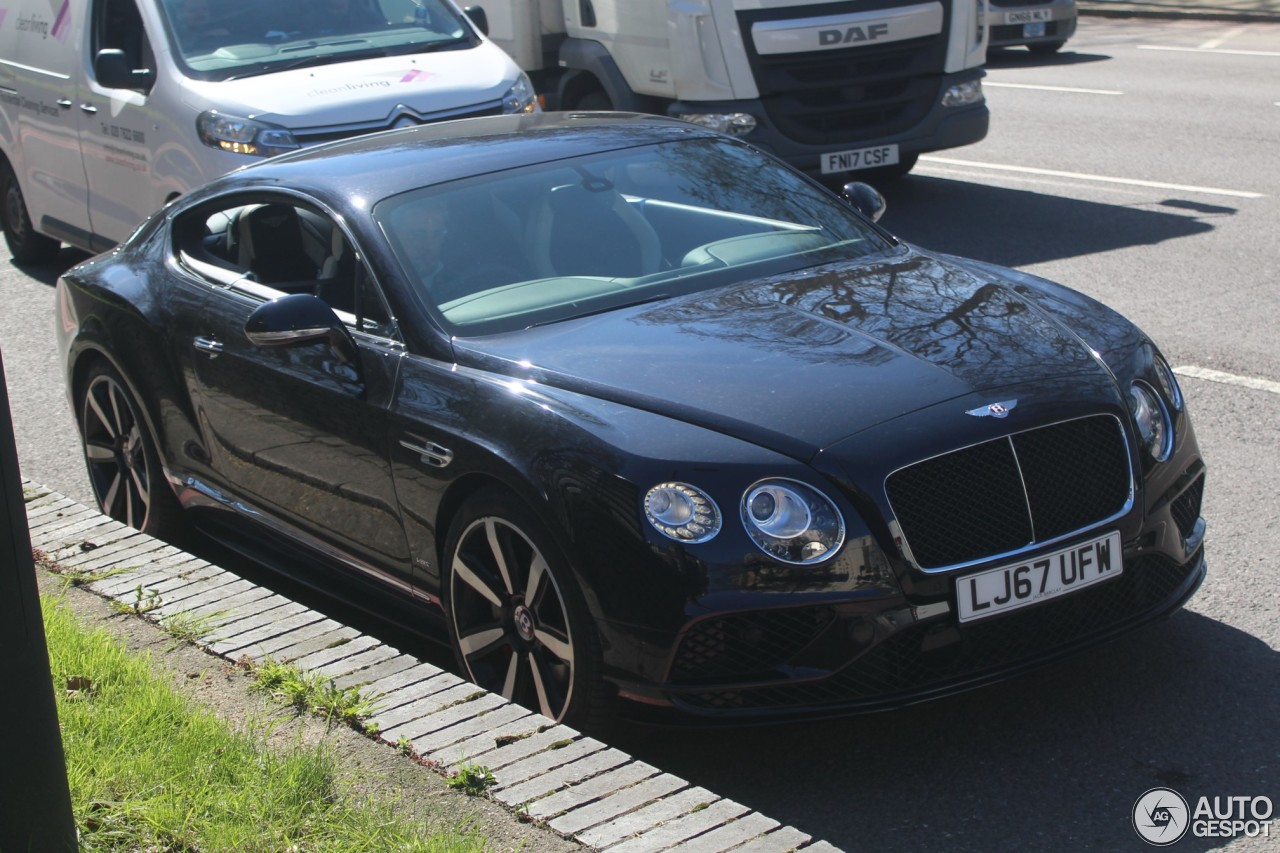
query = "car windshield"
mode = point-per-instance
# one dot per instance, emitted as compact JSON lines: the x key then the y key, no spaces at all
{"x":549,"y":242}
{"x":224,"y":39}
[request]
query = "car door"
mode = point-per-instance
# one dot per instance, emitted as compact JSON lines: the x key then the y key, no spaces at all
{"x":294,"y":434}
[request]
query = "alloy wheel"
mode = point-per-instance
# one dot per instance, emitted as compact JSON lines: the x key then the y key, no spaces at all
{"x":115,"y":451}
{"x":509,"y":617}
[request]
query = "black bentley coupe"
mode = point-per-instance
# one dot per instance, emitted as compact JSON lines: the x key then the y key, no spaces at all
{"x":637,"y":414}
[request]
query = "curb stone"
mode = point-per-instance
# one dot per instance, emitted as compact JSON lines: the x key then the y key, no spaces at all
{"x":580,"y":787}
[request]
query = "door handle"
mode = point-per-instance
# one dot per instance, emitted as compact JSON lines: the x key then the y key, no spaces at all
{"x":208,"y":345}
{"x":65,"y":103}
{"x":430,"y":453}
{"x":88,"y":108}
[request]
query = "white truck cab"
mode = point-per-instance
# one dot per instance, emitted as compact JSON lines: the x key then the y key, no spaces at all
{"x":831,"y":86}
{"x":111,"y":108}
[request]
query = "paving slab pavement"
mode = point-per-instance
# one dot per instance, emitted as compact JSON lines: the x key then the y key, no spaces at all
{"x":582,"y":788}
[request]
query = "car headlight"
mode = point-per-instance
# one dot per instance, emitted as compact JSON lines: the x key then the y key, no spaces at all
{"x":244,"y":135}
{"x":520,"y":98}
{"x":1155,"y":430}
{"x":792,"y":522}
{"x":682,"y":512}
{"x":1168,"y":383}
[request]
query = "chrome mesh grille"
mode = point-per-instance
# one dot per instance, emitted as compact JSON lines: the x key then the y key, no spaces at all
{"x":1011,"y":492}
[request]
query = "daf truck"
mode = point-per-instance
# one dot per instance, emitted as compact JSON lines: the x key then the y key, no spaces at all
{"x":830,"y":87}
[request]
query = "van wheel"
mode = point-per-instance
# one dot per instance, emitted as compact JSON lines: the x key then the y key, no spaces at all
{"x":26,"y":246}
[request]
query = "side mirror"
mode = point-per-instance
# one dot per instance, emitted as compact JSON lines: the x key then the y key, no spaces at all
{"x":114,"y":71}
{"x":478,"y":17}
{"x":865,"y":199}
{"x":297,"y":319}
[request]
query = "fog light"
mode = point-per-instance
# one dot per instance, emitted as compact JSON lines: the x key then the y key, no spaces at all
{"x":963,"y":94}
{"x":734,"y":124}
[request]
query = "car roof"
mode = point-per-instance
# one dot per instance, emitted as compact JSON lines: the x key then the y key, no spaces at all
{"x":382,"y":164}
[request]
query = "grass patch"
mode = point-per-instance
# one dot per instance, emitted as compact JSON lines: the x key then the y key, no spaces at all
{"x":149,"y":770}
{"x":310,"y":692}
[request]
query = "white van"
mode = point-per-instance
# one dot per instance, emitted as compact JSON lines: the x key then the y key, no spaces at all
{"x":110,"y":108}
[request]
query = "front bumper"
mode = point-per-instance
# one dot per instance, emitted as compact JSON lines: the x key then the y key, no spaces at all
{"x":847,"y":659}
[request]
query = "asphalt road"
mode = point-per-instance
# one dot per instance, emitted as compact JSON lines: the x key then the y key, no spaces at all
{"x":1139,"y":166}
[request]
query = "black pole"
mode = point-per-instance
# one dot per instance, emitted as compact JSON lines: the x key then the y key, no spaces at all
{"x":35,"y":803}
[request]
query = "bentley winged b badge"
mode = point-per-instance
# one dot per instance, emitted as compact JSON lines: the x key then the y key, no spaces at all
{"x":993,"y":410}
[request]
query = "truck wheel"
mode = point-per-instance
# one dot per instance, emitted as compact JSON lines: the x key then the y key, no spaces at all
{"x":516,"y":617}
{"x":120,"y":454}
{"x":594,"y":101}
{"x":26,"y":246}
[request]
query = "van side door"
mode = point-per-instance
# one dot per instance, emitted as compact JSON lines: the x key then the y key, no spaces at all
{"x":119,"y":123}
{"x":45,"y":106}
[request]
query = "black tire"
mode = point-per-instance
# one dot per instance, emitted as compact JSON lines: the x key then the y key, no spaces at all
{"x":120,"y":456}
{"x":1045,"y":48}
{"x":593,"y":101}
{"x":26,"y":246}
{"x":517,"y":620}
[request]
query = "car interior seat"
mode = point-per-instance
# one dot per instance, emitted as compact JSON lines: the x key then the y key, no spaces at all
{"x":584,"y":229}
{"x":269,"y":243}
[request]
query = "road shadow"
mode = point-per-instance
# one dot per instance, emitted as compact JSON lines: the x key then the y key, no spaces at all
{"x":1052,"y":761}
{"x":1018,"y":227}
{"x":1020,"y":57}
{"x":48,"y":273}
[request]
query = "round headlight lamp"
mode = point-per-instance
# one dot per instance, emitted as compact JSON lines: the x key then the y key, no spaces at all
{"x":1155,"y":431}
{"x":1168,"y":383}
{"x":792,"y":522}
{"x":682,"y":512}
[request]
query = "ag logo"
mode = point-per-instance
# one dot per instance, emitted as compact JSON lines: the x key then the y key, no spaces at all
{"x":1161,"y":817}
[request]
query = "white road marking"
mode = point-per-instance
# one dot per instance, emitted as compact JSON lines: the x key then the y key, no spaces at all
{"x":1212,"y":44}
{"x":1081,"y":176}
{"x":1228,"y":378}
{"x":1202,"y":50}
{"x":988,"y":84}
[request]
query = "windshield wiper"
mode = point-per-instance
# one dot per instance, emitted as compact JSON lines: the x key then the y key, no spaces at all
{"x":604,"y":309}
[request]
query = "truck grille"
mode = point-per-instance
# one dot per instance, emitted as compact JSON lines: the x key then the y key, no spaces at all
{"x":1012,"y":492}
{"x":849,"y":95}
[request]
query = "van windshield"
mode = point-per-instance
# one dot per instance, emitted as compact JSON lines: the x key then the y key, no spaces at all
{"x":222,"y":39}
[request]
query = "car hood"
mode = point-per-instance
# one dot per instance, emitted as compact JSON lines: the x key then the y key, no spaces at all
{"x":799,"y":361}
{"x":364,"y":90}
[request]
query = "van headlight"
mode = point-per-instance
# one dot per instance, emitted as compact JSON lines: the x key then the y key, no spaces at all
{"x":792,"y":522}
{"x":520,"y":98}
{"x":244,"y":135}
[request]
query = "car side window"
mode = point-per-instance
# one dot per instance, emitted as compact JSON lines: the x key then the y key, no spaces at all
{"x":269,"y":247}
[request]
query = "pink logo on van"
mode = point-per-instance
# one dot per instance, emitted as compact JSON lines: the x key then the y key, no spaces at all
{"x":62,"y":24}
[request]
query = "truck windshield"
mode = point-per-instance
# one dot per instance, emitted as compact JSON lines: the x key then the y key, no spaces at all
{"x":221,"y":39}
